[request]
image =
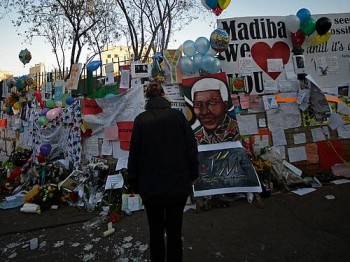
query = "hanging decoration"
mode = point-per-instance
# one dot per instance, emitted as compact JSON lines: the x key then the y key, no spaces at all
{"x":157,"y":71}
{"x":93,"y":65}
{"x":199,"y":57}
{"x":217,"y":6}
{"x":303,"y":25}
{"x":25,"y":56}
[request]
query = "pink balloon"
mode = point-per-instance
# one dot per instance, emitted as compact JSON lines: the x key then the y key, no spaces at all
{"x":53,"y":113}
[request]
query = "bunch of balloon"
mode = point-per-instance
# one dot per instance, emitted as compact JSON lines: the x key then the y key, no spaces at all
{"x":198,"y":58}
{"x":217,"y":6}
{"x":303,"y":25}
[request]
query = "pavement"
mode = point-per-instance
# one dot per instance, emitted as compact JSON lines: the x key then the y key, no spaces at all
{"x":312,"y":227}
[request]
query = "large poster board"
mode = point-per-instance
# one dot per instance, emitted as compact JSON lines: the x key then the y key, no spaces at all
{"x":225,"y":168}
{"x":266,"y":39}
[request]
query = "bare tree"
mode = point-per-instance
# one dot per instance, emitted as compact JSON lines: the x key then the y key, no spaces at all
{"x":68,"y":25}
{"x":148,"y":24}
{"x":73,"y":25}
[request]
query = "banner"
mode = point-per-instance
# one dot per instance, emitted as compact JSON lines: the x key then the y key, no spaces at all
{"x":225,"y":168}
{"x":267,"y":41}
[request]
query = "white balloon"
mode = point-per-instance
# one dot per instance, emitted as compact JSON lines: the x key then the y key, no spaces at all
{"x":292,"y":23}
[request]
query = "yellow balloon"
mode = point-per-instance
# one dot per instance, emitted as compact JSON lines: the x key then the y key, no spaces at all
{"x":224,"y":3}
{"x":17,"y":106}
{"x":320,"y":39}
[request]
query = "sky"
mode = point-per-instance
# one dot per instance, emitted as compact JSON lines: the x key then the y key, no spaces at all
{"x":11,"y":44}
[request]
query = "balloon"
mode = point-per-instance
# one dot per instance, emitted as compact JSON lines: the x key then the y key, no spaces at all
{"x":11,"y":82}
{"x":298,"y":38}
{"x":159,"y":57}
{"x":25,"y":56}
{"x":50,"y":103}
{"x":211,"y":3}
{"x":215,"y":67}
{"x":208,"y":62}
{"x":217,"y":10}
{"x":69,"y":100}
{"x":219,"y":40}
{"x":29,"y":80}
{"x":17,"y":106}
{"x":41,"y":158}
{"x":188,"y":47}
{"x":53,"y":113}
{"x":205,"y":4}
{"x":20,"y":84}
{"x":292,"y":23}
{"x":45,"y":149}
{"x":323,"y":25}
{"x":303,"y":14}
{"x":186,"y":66}
{"x":44,"y":111}
{"x":93,"y":65}
{"x":43,"y":121}
{"x":39,"y":98}
{"x":202,"y":45}
{"x":320,"y":39}
{"x":224,"y":3}
{"x":197,"y":61}
{"x":308,"y":26}
{"x":15,"y":172}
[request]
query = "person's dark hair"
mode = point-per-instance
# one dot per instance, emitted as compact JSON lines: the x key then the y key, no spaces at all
{"x":154,"y":89}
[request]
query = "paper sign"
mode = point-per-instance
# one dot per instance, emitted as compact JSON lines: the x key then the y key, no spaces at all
{"x":114,"y":182}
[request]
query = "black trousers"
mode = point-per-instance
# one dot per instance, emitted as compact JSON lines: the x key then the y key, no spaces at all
{"x":165,"y":218}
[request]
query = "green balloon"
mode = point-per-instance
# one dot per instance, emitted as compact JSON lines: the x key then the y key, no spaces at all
{"x":42,"y":120}
{"x":308,"y":26}
{"x":50,"y":103}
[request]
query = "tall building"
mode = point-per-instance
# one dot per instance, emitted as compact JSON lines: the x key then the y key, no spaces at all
{"x":119,"y":56}
{"x":38,"y":73}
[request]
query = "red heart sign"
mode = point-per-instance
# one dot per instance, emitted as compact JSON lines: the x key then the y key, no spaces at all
{"x":261,"y":51}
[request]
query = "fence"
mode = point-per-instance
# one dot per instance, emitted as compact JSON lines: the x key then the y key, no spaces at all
{"x":87,"y":79}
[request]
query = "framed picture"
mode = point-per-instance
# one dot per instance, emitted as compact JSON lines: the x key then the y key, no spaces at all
{"x":140,"y":70}
{"x":299,"y":64}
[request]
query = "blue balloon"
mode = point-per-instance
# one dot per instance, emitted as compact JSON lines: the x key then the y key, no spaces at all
{"x":212,"y":3}
{"x":215,"y":67}
{"x":202,"y":45}
{"x":197,"y":61}
{"x":186,"y":66}
{"x":208,"y":62}
{"x":93,"y":65}
{"x":303,"y":14}
{"x":189,"y":48}
{"x":69,"y":100}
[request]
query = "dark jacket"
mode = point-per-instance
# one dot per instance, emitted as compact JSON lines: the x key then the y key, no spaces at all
{"x":163,"y":157}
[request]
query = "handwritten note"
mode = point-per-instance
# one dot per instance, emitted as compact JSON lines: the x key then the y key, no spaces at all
{"x":114,"y":182}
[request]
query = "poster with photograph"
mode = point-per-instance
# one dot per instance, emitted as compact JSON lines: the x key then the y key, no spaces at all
{"x":210,"y":108}
{"x":140,"y":70}
{"x":225,"y":168}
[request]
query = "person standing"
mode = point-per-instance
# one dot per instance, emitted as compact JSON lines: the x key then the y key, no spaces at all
{"x":162,"y":166}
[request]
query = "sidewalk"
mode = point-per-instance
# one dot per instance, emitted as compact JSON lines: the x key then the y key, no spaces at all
{"x":289,"y":228}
